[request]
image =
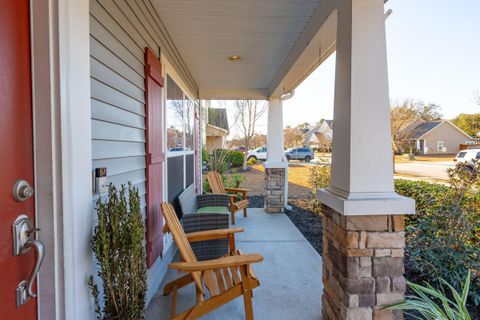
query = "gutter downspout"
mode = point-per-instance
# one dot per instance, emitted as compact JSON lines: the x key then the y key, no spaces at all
{"x":284,"y":97}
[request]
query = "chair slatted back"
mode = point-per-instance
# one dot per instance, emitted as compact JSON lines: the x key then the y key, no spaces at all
{"x":216,"y":184}
{"x":181,"y":240}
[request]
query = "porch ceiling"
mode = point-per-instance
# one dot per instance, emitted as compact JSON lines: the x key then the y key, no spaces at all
{"x":269,"y":35}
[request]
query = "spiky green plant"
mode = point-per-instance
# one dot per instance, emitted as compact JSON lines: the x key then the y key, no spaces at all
{"x":117,"y":243}
{"x":433,"y":304}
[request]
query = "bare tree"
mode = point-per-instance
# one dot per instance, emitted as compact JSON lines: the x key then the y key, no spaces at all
{"x":406,"y":114}
{"x":400,"y":116}
{"x":247,"y":114}
{"x":293,"y":137}
{"x":324,"y":143}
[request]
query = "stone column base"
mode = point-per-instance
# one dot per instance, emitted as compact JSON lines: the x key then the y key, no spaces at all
{"x":362,"y":266}
{"x":275,"y":196}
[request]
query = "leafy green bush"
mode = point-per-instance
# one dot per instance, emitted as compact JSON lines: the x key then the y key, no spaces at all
{"x":229,"y":181}
{"x":117,"y":243}
{"x":443,"y":238}
{"x":205,"y":155}
{"x":234,"y":158}
{"x":318,"y":178}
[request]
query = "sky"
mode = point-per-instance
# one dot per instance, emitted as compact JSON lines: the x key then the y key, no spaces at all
{"x":433,"y":49}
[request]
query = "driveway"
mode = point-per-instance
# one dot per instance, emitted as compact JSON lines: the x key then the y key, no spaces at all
{"x":434,"y":170}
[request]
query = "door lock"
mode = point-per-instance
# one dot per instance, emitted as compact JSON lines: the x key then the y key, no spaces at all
{"x":23,"y":241}
{"x":22,"y":190}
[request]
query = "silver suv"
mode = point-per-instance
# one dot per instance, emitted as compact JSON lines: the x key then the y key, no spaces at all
{"x":303,"y":153}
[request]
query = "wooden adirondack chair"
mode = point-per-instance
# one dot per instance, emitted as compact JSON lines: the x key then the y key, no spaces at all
{"x":225,"y":278}
{"x":216,"y":185}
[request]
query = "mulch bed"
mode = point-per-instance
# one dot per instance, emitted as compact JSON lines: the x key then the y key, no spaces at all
{"x":309,"y":223}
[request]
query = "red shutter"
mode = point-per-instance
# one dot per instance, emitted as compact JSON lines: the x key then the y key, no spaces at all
{"x":154,"y":136}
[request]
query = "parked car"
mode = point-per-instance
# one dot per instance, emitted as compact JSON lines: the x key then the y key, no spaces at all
{"x":467,"y":156}
{"x":258,"y":154}
{"x":304,"y":153}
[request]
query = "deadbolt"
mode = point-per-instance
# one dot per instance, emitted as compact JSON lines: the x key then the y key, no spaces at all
{"x":22,"y":190}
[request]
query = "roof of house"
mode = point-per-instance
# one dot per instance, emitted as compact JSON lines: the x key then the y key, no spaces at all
{"x":330,"y":123}
{"x":423,"y":128}
{"x":311,"y":132}
{"x":218,"y":117}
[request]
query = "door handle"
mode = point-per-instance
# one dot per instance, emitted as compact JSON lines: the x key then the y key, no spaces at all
{"x":40,"y":254}
{"x":23,"y":241}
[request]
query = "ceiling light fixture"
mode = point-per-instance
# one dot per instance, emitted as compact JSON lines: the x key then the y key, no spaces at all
{"x":234,"y":58}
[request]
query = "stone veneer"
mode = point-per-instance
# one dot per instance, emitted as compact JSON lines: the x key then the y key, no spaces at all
{"x":275,"y":197}
{"x":362,"y":266}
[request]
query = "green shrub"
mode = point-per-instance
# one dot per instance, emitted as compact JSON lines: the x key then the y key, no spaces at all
{"x":205,"y":155}
{"x":318,"y":178}
{"x":118,"y":246}
{"x":443,"y":238}
{"x":251,"y":161}
{"x":233,"y":181}
{"x":234,"y":158}
{"x":229,"y":181}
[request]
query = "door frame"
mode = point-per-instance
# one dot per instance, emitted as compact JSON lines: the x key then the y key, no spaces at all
{"x":60,"y":56}
{"x":47,"y":168}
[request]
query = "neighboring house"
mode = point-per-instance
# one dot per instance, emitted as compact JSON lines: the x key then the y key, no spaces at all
{"x":320,"y":134}
{"x":217,"y":129}
{"x":435,"y":137}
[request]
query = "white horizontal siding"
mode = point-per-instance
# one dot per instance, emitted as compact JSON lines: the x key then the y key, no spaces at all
{"x":119,"y":33}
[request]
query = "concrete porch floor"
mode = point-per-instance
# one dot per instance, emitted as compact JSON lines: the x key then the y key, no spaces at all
{"x":290,"y":275}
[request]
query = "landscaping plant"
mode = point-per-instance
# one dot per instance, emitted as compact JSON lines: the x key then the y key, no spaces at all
{"x":117,"y":243}
{"x":443,"y":238}
{"x":318,"y":178}
{"x":433,"y":304}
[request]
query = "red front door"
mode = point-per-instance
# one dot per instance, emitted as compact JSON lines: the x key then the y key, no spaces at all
{"x":16,"y":153}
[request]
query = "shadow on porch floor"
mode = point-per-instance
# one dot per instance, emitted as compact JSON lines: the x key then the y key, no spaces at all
{"x":290,"y":276}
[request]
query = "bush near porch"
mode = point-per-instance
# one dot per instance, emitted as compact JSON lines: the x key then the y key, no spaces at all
{"x":443,"y":238}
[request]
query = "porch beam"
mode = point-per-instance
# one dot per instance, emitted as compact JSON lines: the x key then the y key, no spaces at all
{"x":362,"y":171}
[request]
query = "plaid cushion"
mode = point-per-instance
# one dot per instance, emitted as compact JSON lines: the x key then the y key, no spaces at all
{"x":213,"y":200}
{"x":211,"y":249}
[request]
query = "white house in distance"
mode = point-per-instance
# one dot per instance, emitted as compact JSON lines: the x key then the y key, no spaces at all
{"x":436,"y":137}
{"x":99,"y":87}
{"x":322,"y":132}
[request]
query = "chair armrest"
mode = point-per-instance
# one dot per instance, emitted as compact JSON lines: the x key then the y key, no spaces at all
{"x":231,"y":261}
{"x":194,"y":222}
{"x":213,"y":200}
{"x":212,"y":234}
{"x":242,"y":190}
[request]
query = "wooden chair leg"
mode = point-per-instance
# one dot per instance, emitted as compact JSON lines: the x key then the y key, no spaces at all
{"x":173,"y":311}
{"x":232,"y":212}
{"x":245,"y":212}
{"x":247,"y":293}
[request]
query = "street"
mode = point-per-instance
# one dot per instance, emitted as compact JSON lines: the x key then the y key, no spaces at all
{"x":435,"y":170}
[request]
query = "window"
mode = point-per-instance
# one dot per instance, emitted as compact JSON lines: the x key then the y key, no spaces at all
{"x":440,"y":146}
{"x":461,"y":154}
{"x":189,"y":126}
{"x":174,"y":117}
{"x":477,"y":156}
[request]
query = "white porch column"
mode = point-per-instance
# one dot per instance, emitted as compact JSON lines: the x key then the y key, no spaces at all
{"x":275,"y":153}
{"x":276,"y":166}
{"x":362,"y":172}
